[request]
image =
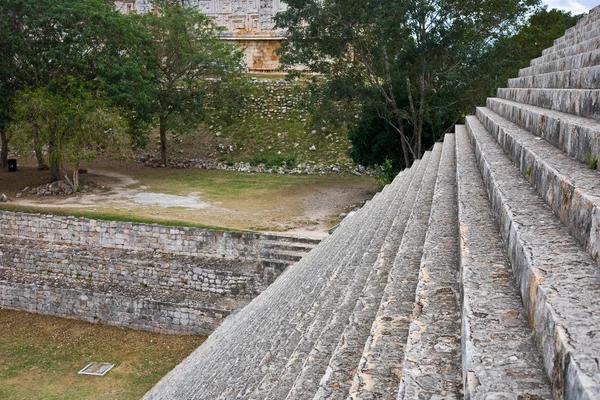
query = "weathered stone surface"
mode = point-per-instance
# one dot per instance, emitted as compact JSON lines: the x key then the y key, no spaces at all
{"x":339,"y":374}
{"x":569,"y":187}
{"x":557,"y":278}
{"x":432,"y":357}
{"x":296,"y":321}
{"x":584,"y":78}
{"x":578,"y":137}
{"x":580,"y":60}
{"x":580,"y":102}
{"x":379,"y":372}
{"x":499,"y":356}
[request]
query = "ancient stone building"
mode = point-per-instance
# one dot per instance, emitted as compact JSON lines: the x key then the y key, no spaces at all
{"x":249,"y":23}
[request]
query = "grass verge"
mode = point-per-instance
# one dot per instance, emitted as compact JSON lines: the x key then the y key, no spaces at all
{"x":40,"y":356}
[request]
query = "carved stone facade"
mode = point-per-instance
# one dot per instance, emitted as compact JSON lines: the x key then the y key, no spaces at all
{"x":248,"y":22}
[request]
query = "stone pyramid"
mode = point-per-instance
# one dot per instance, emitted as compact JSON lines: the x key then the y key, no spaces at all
{"x":474,"y":274}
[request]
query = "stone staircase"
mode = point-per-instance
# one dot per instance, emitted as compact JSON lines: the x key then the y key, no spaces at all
{"x":474,"y":274}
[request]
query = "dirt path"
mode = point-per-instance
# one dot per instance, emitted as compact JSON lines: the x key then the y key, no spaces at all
{"x":308,"y":212}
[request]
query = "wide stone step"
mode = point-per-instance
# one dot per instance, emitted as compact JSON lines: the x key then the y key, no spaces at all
{"x":558,"y":279}
{"x":577,"y":136}
{"x":239,"y":354}
{"x":379,"y":370}
{"x":499,"y":356}
{"x":580,"y":102}
{"x":338,"y":377}
{"x":593,"y":15}
{"x":583,"y":78}
{"x":581,"y":60}
{"x":570,"y":188}
{"x":580,"y":47}
{"x":432,"y":359}
{"x":307,"y":364}
{"x":288,"y":246}
{"x":582,"y":35}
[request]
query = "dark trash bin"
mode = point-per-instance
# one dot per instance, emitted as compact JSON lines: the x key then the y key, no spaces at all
{"x":12,"y":165}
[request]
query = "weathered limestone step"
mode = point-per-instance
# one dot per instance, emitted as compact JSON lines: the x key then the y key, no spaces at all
{"x":499,"y":356}
{"x":432,"y":358}
{"x":582,"y":78}
{"x":379,"y":369}
{"x":288,"y":246}
{"x":338,"y":377}
{"x":290,"y":240}
{"x":592,"y":31}
{"x":591,"y":44}
{"x":581,"y":60}
{"x":583,"y":30}
{"x":593,"y":15}
{"x":301,"y":375}
{"x":571,"y":189}
{"x":578,"y":137}
{"x":280,"y":352}
{"x":558,"y":280}
{"x":238,"y":352}
{"x":580,"y":102}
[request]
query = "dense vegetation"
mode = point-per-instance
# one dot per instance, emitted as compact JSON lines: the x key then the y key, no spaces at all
{"x":77,"y":76}
{"x":403,"y":73}
{"x":62,"y":59}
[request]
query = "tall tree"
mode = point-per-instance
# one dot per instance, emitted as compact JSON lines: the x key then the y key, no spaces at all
{"x":45,"y":43}
{"x":195,"y":68}
{"x":75,"y":121}
{"x":405,"y":56}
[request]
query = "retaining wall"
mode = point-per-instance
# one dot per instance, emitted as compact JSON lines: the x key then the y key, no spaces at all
{"x":149,"y":277}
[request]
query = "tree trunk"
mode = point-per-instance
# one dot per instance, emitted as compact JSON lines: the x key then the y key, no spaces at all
{"x":405,"y":150}
{"x":163,"y":142}
{"x":54,"y":160}
{"x":75,"y":177}
{"x":37,"y":147}
{"x":3,"y":149}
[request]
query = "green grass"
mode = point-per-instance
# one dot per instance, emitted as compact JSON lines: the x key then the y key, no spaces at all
{"x":40,"y":356}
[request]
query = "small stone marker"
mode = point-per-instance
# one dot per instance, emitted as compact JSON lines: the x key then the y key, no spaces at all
{"x":96,"y":368}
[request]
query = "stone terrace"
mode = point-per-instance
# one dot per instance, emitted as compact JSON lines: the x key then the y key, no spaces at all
{"x":474,"y":274}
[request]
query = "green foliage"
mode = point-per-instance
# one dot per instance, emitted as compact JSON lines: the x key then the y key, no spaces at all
{"x":385,"y":173}
{"x":409,"y":63}
{"x":274,"y":160}
{"x":49,"y":43}
{"x":72,"y":121}
{"x":196,"y":70}
{"x":592,"y":160}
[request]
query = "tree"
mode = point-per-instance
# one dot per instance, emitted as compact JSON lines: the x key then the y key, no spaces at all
{"x":195,"y":68}
{"x":45,"y":43}
{"x":73,"y":122}
{"x":408,"y":59}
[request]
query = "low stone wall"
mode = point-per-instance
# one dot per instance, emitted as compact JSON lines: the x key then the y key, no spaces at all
{"x":149,"y":277}
{"x":113,"y":309}
{"x":139,"y":268}
{"x":136,"y":236}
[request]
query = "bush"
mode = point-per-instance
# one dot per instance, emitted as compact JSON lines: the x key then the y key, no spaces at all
{"x":384,"y":173}
{"x":274,"y":160}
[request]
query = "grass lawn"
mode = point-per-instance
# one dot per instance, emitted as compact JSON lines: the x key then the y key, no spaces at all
{"x":40,"y":356}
